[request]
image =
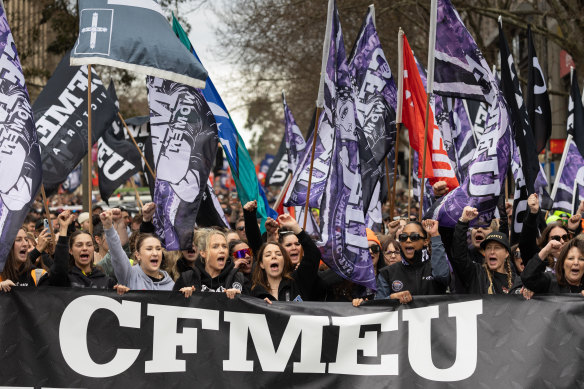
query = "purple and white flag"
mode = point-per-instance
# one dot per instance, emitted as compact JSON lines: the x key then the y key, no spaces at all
{"x":376,"y":104}
{"x":184,"y":145}
{"x":20,"y":159}
{"x":295,"y":143}
{"x":572,"y":172}
{"x":298,"y":188}
{"x":460,"y":68}
{"x":344,"y":240}
{"x":486,"y":174}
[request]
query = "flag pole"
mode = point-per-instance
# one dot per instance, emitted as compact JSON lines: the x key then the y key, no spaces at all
{"x":89,"y":144}
{"x":138,"y":199}
{"x":389,"y":199}
{"x":410,"y":183}
{"x":398,"y":114}
{"x":136,"y":144}
{"x":429,"y":90}
{"x":320,"y":98}
{"x":315,"y":132}
{"x":47,"y":213}
{"x":280,"y":197}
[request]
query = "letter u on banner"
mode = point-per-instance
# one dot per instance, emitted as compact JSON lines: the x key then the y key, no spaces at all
{"x":420,"y":342}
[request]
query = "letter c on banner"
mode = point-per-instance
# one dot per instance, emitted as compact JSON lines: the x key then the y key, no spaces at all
{"x":420,"y":342}
{"x":73,"y":335}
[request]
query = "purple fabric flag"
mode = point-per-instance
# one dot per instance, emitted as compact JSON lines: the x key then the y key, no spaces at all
{"x":486,"y":174}
{"x":573,"y":172}
{"x":460,"y":68}
{"x":298,"y":188}
{"x":376,"y":104}
{"x":20,"y":159}
{"x":295,"y":143}
{"x":184,"y":145}
{"x":344,"y":241}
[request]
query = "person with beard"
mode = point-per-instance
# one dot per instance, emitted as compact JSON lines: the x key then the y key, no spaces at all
{"x":73,"y":262}
{"x":568,"y":273}
{"x":213,"y":272}
{"x":18,"y":269}
{"x":495,"y":275}
{"x":421,"y":271}
{"x":241,"y":255}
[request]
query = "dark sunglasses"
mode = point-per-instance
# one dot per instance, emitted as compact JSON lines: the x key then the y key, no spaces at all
{"x":240,"y":228}
{"x":414,"y":237}
{"x":241,"y":253}
{"x":564,"y":237}
{"x":517,"y":254}
{"x":375,"y":249}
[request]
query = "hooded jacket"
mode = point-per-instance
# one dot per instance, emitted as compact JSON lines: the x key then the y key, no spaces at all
{"x":61,"y":275}
{"x":428,"y":277}
{"x":229,"y":278}
{"x":132,"y":276}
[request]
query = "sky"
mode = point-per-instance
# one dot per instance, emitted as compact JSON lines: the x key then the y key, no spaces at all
{"x":223,"y":74}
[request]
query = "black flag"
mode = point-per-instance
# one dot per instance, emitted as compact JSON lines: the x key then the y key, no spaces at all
{"x":537,"y":99}
{"x":61,"y":120}
{"x":576,"y":114}
{"x":117,"y":158}
{"x":278,"y":171}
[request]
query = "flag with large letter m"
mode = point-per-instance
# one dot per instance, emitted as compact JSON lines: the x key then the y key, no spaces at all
{"x":20,"y":159}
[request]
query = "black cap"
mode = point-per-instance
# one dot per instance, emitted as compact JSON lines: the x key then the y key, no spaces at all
{"x":496,"y":237}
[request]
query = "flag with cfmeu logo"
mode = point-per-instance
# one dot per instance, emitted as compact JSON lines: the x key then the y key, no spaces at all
{"x":342,"y":221}
{"x":438,"y":167}
{"x":134,"y":35}
{"x":20,"y":160}
{"x":184,"y":144}
{"x":242,"y":167}
{"x":375,"y":106}
{"x":482,"y":186}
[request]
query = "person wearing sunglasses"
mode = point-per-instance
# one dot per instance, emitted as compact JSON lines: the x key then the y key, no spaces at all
{"x":241,"y":256}
{"x":495,"y":275}
{"x":569,"y":271}
{"x":421,"y":271}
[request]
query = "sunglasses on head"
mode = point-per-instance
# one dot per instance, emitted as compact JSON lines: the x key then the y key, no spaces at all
{"x":282,"y":233}
{"x":374,"y":249}
{"x":564,"y":237}
{"x":414,"y":237}
{"x":241,"y":253}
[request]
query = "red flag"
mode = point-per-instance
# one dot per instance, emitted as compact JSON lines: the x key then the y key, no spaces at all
{"x":438,"y":166}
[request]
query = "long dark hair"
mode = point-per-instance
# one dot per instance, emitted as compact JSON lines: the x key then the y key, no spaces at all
{"x":259,"y":277}
{"x":545,"y":237}
{"x":12,"y":270}
{"x":560,"y":276}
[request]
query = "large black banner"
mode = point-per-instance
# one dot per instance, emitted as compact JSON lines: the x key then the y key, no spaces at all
{"x":54,"y":337}
{"x":60,"y":112}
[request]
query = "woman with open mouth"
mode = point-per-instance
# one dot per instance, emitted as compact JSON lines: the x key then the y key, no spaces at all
{"x":530,"y":244}
{"x":213,"y":271}
{"x":18,"y":269}
{"x":421,"y":271}
{"x":568,"y":272}
{"x":147,"y":275}
{"x":495,"y":275}
{"x":242,"y":258}
{"x":74,"y":265}
{"x":275,"y":277}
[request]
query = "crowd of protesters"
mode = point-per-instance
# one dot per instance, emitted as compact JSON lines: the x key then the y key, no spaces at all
{"x":410,"y":257}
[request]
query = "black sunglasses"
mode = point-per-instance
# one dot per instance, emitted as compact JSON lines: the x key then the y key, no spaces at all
{"x":240,"y":228}
{"x":374,"y":249}
{"x":517,"y":254}
{"x":414,"y":237}
{"x":564,"y":237}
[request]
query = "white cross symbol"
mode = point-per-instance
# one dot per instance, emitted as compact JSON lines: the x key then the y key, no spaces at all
{"x":94,"y":30}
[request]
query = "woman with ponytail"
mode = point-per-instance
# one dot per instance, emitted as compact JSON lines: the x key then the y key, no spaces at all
{"x":494,"y":276}
{"x":423,"y":270}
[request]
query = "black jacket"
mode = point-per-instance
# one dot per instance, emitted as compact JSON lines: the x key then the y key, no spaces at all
{"x":61,"y":275}
{"x":229,"y":278}
{"x":303,"y":278}
{"x":536,"y":279}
